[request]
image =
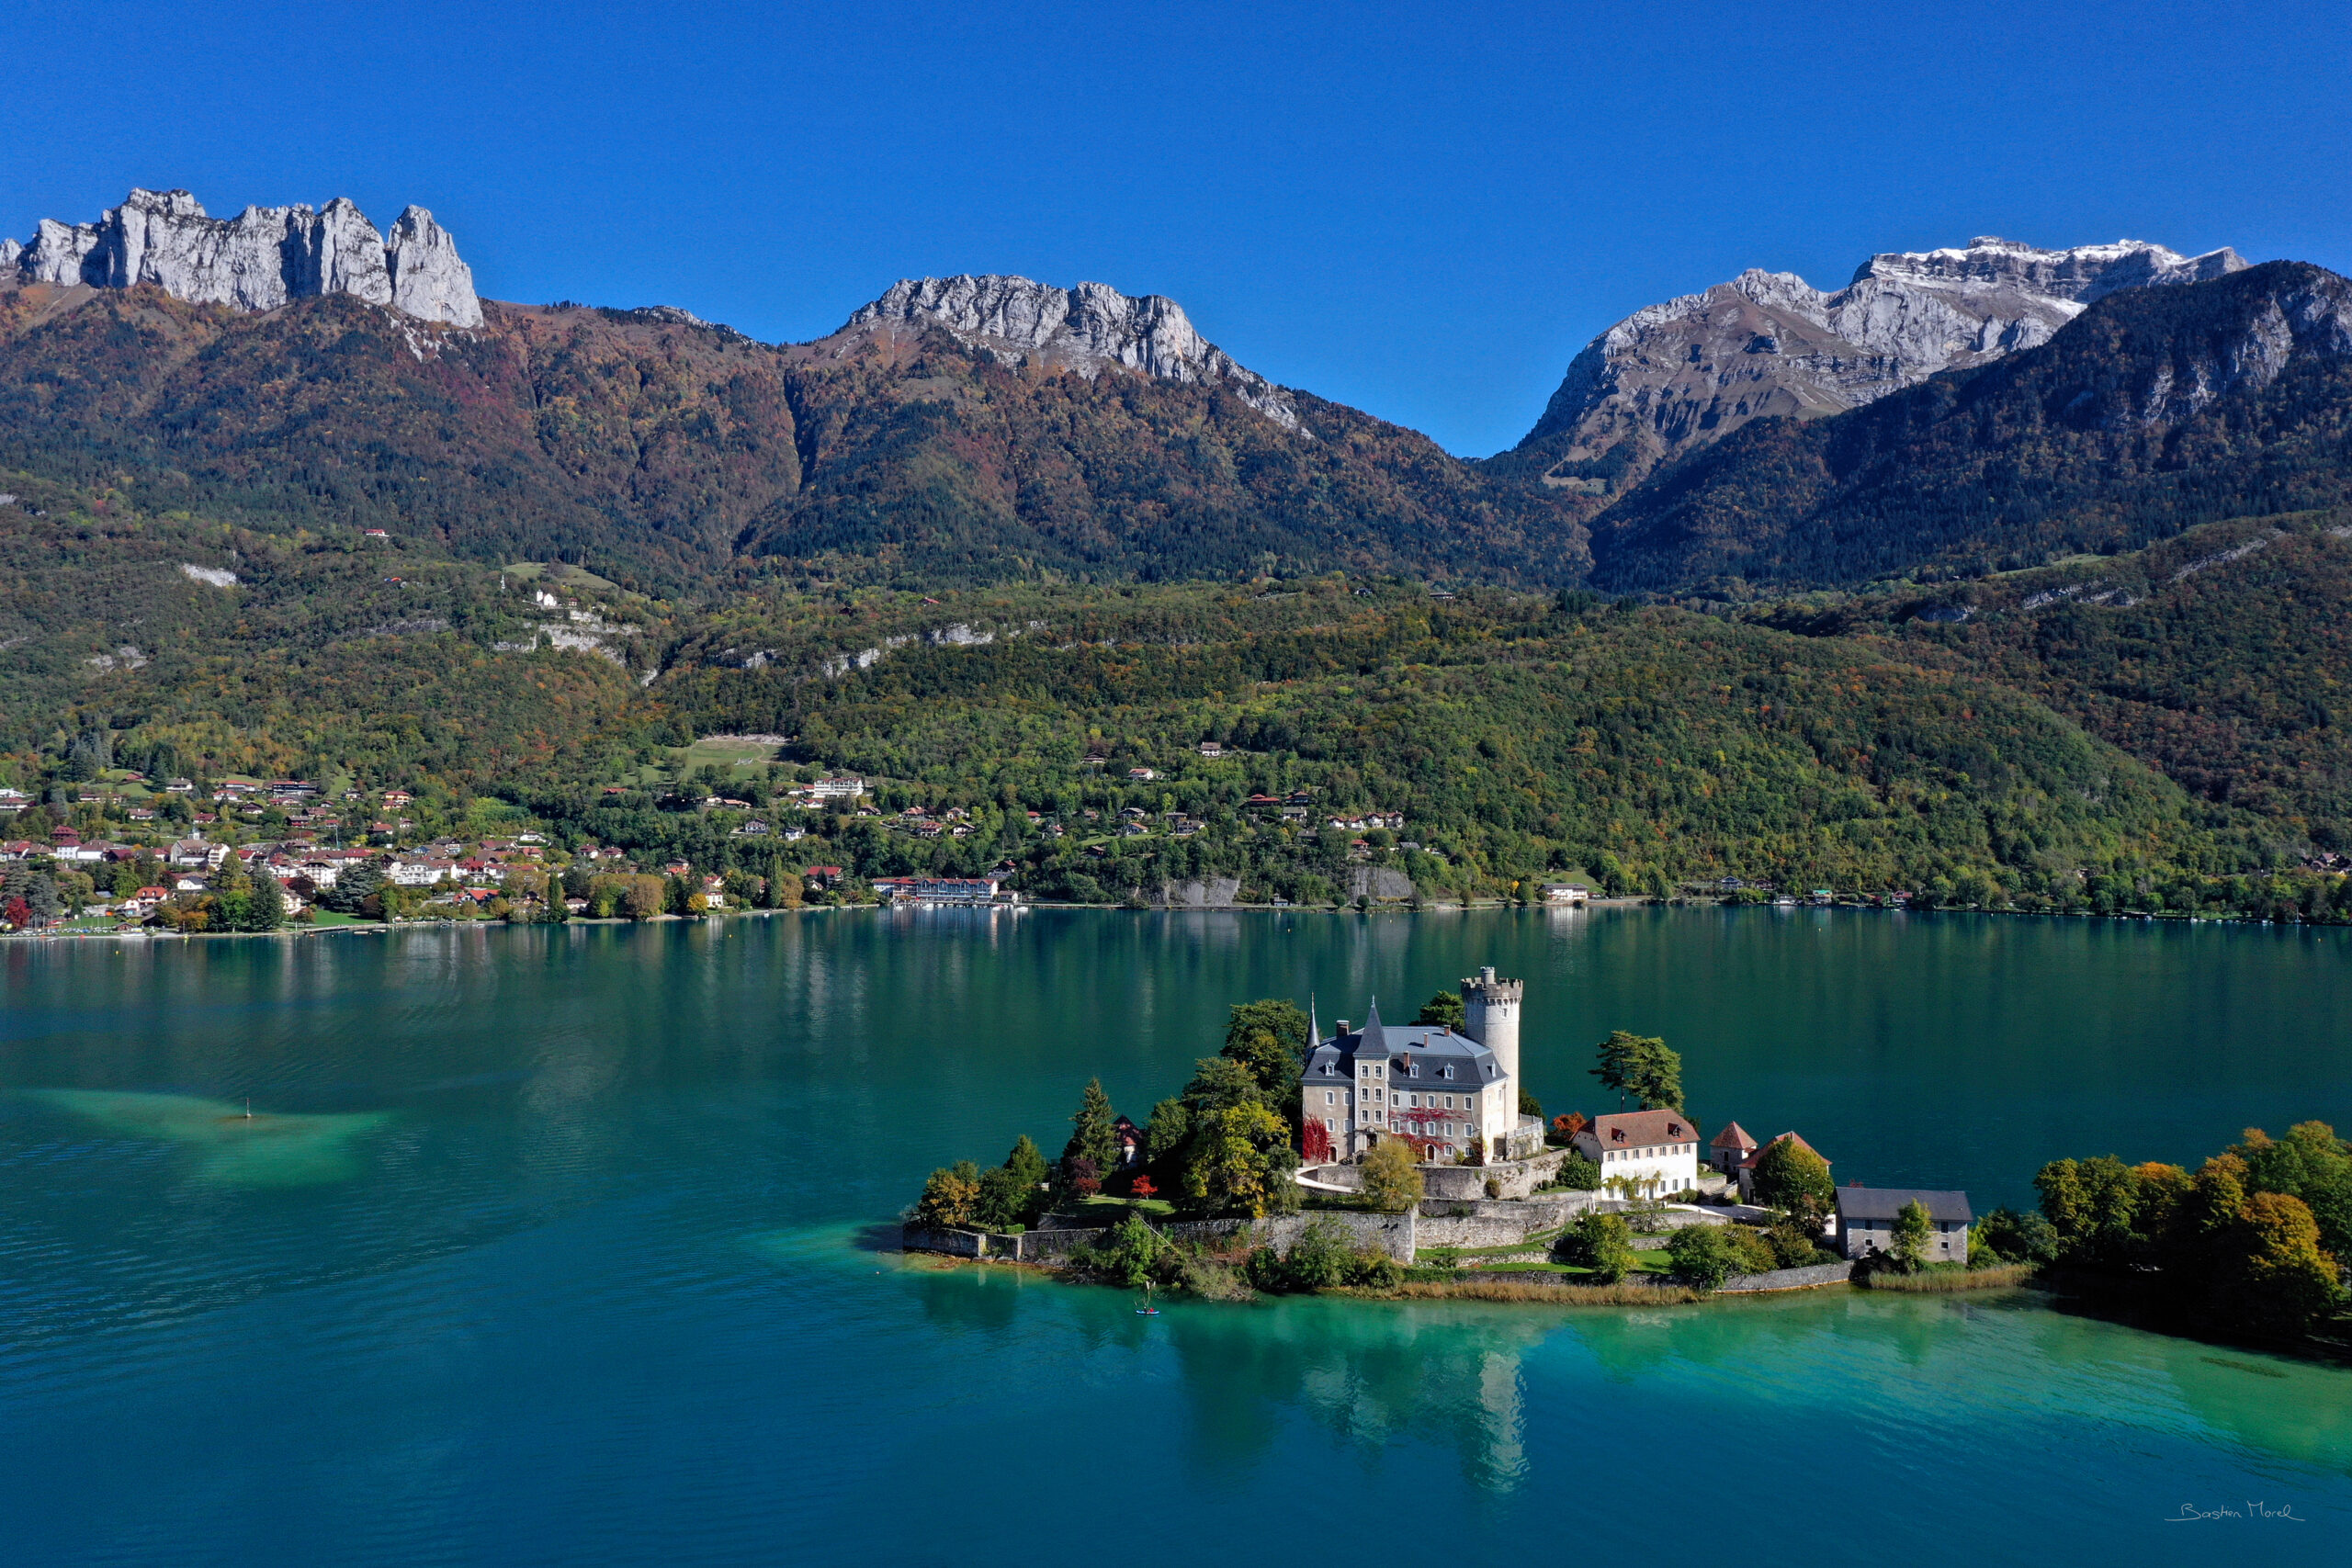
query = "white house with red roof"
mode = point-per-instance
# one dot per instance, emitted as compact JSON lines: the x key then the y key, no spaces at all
{"x":1647,"y":1152}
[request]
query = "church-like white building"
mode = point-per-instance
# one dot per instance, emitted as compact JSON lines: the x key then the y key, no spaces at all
{"x":1448,"y":1091}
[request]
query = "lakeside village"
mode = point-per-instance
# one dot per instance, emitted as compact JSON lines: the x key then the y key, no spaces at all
{"x":120,"y":852}
{"x":130,"y":855}
{"x":1412,"y":1159}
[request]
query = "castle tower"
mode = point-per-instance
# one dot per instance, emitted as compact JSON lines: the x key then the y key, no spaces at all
{"x":1492,"y":1009}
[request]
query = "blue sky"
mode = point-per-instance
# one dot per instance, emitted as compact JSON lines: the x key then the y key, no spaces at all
{"x":1421,"y":210}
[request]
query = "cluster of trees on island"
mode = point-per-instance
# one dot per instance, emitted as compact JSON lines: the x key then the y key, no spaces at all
{"x":1228,"y":1143}
{"x":2250,"y":1243}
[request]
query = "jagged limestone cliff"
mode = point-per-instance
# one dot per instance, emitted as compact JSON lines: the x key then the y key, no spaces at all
{"x":256,"y":260}
{"x":1082,"y":329}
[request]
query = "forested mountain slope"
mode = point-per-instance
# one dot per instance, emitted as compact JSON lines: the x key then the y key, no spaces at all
{"x":2154,"y":411}
{"x":2223,"y":656}
{"x":663,"y":452}
{"x":1515,"y":737}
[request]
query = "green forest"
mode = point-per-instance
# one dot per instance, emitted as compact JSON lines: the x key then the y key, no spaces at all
{"x":1123,"y":641}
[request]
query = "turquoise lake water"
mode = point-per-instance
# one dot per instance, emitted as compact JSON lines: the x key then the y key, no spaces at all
{"x":558,"y":1246}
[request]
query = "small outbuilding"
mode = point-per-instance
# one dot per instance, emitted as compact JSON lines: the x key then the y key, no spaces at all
{"x":1866,"y":1217}
{"x":1732,"y":1146}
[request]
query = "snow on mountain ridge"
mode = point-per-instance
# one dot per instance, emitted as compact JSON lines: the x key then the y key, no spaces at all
{"x":1690,"y":371}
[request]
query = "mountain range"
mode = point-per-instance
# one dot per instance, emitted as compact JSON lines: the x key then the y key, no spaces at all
{"x":1856,"y":472}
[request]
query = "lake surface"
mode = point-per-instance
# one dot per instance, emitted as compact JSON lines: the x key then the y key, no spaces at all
{"x":556,"y":1247}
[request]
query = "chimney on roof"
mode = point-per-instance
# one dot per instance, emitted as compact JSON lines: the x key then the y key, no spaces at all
{"x":1344,"y":1026}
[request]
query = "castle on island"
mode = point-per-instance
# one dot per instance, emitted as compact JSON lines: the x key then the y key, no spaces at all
{"x":1447,"y":1092}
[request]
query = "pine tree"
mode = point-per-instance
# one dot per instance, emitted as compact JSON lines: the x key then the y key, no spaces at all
{"x":1027,"y":1161}
{"x":1091,"y":1135}
{"x":1641,"y":1065}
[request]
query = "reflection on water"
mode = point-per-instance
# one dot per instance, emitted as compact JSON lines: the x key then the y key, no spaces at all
{"x":618,"y":1271}
{"x":1369,"y":1373}
{"x":235,"y":1145}
{"x":1482,"y":1380}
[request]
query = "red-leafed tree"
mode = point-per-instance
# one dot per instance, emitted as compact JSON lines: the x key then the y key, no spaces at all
{"x":1143,"y":1187}
{"x":1314,"y":1142}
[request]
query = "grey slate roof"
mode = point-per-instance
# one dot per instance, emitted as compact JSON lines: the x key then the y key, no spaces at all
{"x":1427,"y":1046}
{"x":1886,"y":1203}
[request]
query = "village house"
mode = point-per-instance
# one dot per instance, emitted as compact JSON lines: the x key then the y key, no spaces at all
{"x":1744,"y":1170}
{"x":1866,"y":1217}
{"x":1567,"y":893}
{"x":1647,"y":1152}
{"x":1446,"y":1093}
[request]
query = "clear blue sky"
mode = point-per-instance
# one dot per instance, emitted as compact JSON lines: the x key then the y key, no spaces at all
{"x":1421,"y":210}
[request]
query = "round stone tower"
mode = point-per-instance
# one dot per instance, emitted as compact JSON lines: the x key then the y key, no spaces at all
{"x":1492,"y":1009}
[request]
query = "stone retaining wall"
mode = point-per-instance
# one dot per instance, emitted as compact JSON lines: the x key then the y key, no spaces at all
{"x":1399,"y":1235}
{"x":1788,"y":1278}
{"x":1461,"y":1183}
{"x":956,"y":1244}
{"x":1476,"y":1229}
{"x":1392,"y":1234}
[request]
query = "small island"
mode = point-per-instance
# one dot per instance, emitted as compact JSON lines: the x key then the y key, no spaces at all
{"x":1413,"y":1160}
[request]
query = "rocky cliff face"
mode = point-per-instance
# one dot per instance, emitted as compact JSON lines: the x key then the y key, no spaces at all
{"x":1082,"y":329}
{"x":1690,"y":371}
{"x":256,"y":260}
{"x":2154,"y":410}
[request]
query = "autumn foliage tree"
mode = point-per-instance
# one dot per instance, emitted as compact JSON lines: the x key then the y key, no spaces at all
{"x":1315,"y":1143}
{"x":2223,"y":1248}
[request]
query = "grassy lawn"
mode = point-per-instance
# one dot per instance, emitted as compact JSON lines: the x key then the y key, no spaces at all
{"x":1536,"y":1241}
{"x":330,"y":917}
{"x":1150,"y":1207}
{"x":724,"y":754}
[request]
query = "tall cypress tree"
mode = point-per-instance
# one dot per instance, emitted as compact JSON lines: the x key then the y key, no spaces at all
{"x":265,"y":907}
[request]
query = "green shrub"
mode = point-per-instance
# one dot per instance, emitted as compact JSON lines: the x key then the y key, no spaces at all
{"x":1705,"y":1256}
{"x":1323,"y":1257}
{"x":1602,"y":1243}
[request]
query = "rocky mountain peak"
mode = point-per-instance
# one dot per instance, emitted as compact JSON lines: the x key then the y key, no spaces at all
{"x":1084,"y":329}
{"x":1688,"y":372}
{"x":2081,"y":274}
{"x":259,"y":260}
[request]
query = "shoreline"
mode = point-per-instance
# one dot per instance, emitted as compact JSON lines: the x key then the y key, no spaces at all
{"x":1481,"y":906}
